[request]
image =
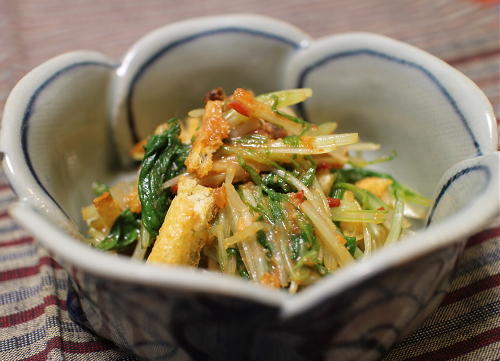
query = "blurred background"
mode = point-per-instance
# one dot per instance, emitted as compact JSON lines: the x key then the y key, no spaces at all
{"x":464,"y":33}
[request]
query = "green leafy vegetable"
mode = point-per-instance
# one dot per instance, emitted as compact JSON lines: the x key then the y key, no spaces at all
{"x":336,"y":191}
{"x":293,"y":140}
{"x":240,"y":266}
{"x":124,"y":232}
{"x":307,"y":231}
{"x":276,"y":204}
{"x":275,"y":182}
{"x":250,"y":170}
{"x":274,"y":107}
{"x":262,"y":157}
{"x":305,"y":246}
{"x":308,"y":177}
{"x":350,"y":244}
{"x":270,"y":205}
{"x":262,"y":239}
{"x":163,"y":159}
{"x":270,"y":183}
{"x":321,"y":269}
{"x":354,"y":175}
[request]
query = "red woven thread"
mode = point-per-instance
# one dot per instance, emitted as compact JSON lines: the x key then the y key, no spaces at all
{"x":472,"y":289}
{"x":35,"y":312}
{"x":17,"y":242}
{"x":28,"y":271}
{"x":460,"y":348}
{"x":483,"y":236}
{"x":68,"y":347}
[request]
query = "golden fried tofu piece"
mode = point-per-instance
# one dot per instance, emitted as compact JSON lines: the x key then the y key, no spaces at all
{"x":93,"y":219}
{"x":133,"y":202}
{"x":214,"y":129}
{"x":108,"y":208}
{"x":270,"y":279}
{"x":375,"y":185}
{"x":184,"y":231}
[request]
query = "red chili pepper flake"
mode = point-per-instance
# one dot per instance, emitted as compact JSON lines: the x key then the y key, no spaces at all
{"x":174,"y":188}
{"x":240,"y":108}
{"x":380,"y":209}
{"x":299,"y":196}
{"x":327,"y":165}
{"x":324,"y":165}
{"x":333,"y":202}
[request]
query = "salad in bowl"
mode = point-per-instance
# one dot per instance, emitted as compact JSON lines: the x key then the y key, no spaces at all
{"x":245,"y":187}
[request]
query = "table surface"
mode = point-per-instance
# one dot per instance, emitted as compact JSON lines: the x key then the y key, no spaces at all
{"x":34,"y":323}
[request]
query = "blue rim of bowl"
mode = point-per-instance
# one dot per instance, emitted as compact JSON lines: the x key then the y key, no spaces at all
{"x":25,"y":125}
{"x":142,"y":69}
{"x":166,"y":48}
{"x":453,"y":179}
{"x":182,"y":41}
{"x":336,"y":56}
{"x":26,"y":154}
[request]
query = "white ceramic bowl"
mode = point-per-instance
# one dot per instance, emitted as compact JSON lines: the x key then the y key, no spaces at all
{"x":71,"y":120}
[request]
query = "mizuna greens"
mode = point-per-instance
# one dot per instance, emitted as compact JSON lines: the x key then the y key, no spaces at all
{"x":124,"y":232}
{"x":164,"y":157}
{"x":245,"y":187}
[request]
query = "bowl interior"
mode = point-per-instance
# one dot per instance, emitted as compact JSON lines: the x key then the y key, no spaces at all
{"x":397,"y":96}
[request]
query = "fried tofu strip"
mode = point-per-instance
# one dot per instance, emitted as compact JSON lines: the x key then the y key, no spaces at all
{"x":214,"y":128}
{"x":184,"y":231}
{"x":376,"y":185}
{"x":107,"y":208}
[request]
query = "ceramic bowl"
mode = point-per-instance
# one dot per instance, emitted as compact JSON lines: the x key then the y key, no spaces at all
{"x":71,"y":121}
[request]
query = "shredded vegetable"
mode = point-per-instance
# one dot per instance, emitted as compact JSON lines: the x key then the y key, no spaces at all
{"x":246,"y":187}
